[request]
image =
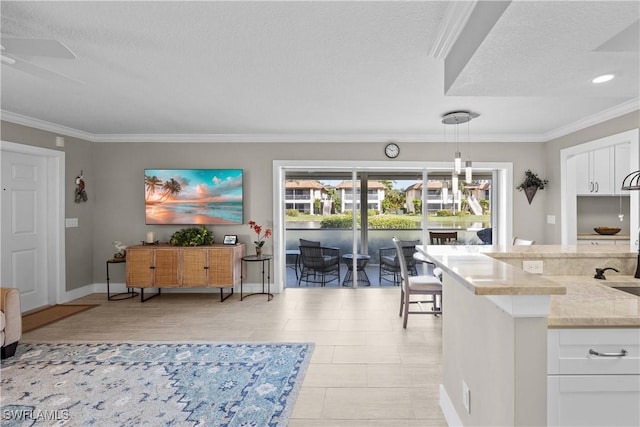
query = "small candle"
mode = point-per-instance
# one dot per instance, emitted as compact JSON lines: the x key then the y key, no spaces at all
{"x":150,"y":237}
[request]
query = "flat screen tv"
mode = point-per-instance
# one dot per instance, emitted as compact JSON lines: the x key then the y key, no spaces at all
{"x":193,"y":196}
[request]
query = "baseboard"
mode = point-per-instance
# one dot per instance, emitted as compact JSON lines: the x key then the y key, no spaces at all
{"x":76,"y":293}
{"x":449,"y":411}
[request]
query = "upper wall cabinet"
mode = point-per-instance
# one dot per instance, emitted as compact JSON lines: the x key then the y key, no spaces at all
{"x":622,"y":166}
{"x":600,"y":172}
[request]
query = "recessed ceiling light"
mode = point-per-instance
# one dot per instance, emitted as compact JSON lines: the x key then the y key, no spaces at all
{"x":603,"y":78}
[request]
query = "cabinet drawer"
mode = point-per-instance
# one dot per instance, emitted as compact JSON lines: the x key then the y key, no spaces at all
{"x":593,"y":400}
{"x":569,"y":351}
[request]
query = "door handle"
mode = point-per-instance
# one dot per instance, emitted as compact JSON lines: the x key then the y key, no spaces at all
{"x":591,"y":187}
{"x":597,"y":187}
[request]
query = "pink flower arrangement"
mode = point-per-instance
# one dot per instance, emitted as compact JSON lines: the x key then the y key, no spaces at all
{"x":261,"y":237}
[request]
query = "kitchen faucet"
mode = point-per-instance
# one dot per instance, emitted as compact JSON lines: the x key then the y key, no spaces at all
{"x":600,"y":272}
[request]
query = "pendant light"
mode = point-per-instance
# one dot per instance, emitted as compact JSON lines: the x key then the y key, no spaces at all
{"x":468,"y":172}
{"x":621,"y":215}
{"x":457,"y":118}
{"x":468,"y":167}
{"x":454,"y":184}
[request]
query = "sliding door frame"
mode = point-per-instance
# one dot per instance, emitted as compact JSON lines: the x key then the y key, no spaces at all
{"x":502,"y":197}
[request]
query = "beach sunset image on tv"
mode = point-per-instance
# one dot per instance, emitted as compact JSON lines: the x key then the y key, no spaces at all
{"x":193,"y":196}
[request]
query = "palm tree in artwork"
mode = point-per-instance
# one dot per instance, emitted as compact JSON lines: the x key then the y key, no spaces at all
{"x":152,"y":183}
{"x":171,"y":188}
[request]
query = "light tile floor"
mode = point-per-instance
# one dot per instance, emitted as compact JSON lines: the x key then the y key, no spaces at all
{"x":366,"y":370}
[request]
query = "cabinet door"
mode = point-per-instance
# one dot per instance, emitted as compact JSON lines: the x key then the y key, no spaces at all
{"x":166,"y":268}
{"x":593,"y":400}
{"x":622,"y":168}
{"x":224,"y":265}
{"x":602,"y":170}
{"x":194,"y":268}
{"x":139,"y":268}
{"x":584,"y":184}
{"x":221,"y":267}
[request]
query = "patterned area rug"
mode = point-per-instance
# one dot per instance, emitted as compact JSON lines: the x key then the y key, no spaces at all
{"x":236,"y":384}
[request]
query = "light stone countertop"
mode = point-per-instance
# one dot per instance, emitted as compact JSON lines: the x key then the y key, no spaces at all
{"x":594,"y":303}
{"x":483,"y":275}
{"x":576,"y":301}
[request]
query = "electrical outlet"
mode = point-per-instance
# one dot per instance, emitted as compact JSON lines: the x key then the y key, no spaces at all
{"x":466,"y":397}
{"x":535,"y":267}
{"x":551,"y":219}
{"x":71,"y":222}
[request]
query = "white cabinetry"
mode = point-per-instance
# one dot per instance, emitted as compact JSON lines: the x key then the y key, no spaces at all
{"x":622,"y":163}
{"x":594,"y":172}
{"x":623,"y":242}
{"x":600,"y":172}
{"x":587,"y":389}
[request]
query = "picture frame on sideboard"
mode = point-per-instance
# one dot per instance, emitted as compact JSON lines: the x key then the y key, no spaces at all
{"x":230,"y":239}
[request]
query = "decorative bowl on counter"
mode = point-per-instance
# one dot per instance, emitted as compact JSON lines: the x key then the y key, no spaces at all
{"x":607,"y":231}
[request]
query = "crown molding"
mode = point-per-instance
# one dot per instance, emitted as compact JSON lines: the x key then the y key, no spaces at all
{"x":608,"y":114}
{"x":267,"y":138}
{"x":20,"y":119}
{"x":611,"y":113}
{"x":452,"y":24}
{"x":305,"y":138}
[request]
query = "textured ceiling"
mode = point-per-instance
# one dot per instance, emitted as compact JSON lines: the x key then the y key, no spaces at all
{"x":322,"y":71}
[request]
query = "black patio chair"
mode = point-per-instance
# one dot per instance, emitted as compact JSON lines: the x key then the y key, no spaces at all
{"x":319,"y":265}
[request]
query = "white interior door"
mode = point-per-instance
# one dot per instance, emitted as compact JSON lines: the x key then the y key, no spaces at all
{"x":24,"y":261}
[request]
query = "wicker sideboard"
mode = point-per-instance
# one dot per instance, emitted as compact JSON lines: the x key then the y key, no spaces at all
{"x":166,"y":266}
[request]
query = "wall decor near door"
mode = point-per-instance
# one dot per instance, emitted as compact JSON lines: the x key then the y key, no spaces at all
{"x":193,"y":196}
{"x":81,"y":193}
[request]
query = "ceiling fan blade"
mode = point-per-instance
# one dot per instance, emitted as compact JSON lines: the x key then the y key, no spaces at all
{"x":37,"y":47}
{"x":43,"y":73}
{"x":7,"y":60}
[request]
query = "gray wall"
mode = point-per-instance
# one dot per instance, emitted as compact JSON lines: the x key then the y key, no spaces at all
{"x":119,"y":170}
{"x":602,"y":211}
{"x":114,"y":176}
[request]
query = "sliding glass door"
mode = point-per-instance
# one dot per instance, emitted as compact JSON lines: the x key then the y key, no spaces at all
{"x":358,"y":210}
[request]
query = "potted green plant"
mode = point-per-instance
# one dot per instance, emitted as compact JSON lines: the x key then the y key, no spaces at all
{"x":192,"y":236}
{"x":531,"y":184}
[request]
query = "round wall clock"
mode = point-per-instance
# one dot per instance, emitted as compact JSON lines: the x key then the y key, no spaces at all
{"x":392,"y":150}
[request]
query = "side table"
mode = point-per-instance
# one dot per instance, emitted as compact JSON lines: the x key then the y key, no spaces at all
{"x":296,"y":263}
{"x":361,"y":275}
{"x":122,"y":295}
{"x":262,"y":259}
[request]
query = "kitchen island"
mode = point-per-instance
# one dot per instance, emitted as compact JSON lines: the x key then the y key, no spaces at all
{"x":516,"y":345}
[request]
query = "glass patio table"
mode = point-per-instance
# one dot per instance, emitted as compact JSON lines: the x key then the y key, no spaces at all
{"x":361,"y":275}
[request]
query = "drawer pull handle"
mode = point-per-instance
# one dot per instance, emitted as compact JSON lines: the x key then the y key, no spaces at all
{"x":622,"y":353}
